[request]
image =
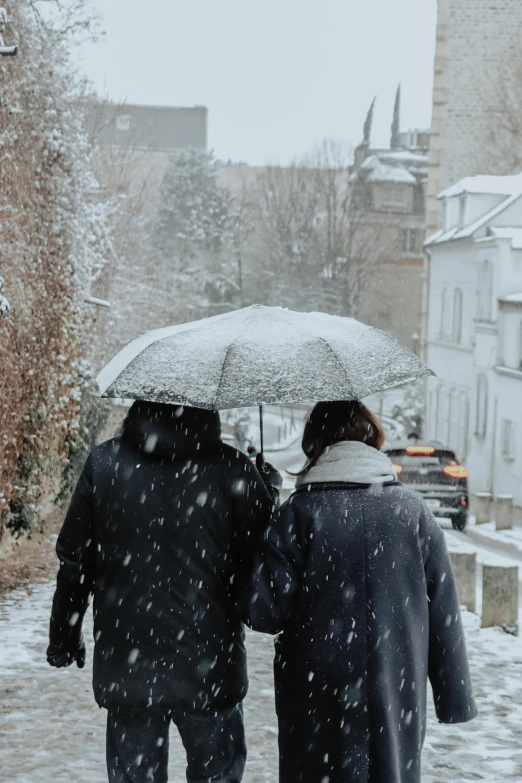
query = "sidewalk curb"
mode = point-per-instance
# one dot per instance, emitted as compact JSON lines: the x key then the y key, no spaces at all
{"x":502,"y":547}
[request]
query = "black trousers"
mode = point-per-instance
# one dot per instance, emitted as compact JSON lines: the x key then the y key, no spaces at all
{"x":138,"y":746}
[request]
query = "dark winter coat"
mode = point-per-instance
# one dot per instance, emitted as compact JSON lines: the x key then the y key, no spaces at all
{"x":360,"y":582}
{"x":163,"y":521}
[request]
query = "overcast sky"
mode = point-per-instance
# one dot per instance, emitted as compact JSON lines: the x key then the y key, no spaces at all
{"x":276,"y":75}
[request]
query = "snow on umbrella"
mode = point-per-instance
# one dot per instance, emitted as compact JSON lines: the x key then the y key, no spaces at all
{"x":257,"y":356}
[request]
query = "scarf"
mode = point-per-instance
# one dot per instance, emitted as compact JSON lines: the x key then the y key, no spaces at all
{"x":350,"y":461}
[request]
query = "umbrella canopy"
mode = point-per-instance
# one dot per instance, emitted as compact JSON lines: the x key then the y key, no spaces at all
{"x":257,"y":356}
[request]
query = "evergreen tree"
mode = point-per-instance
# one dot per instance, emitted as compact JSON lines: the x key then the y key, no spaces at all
{"x":192,"y":233}
{"x":396,"y":124}
{"x":368,"y":124}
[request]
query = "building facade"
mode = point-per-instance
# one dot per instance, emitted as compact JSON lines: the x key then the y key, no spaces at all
{"x":475,"y":38}
{"x":135,"y":143}
{"x":391,"y":187}
{"x":475,"y":331}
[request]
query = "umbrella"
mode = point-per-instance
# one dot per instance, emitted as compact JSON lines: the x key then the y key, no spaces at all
{"x":259,"y":356}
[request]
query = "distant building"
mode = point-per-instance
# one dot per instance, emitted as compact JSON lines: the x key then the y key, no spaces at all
{"x":392,"y":187}
{"x":475,"y":330}
{"x":474,"y":40}
{"x":135,"y":142}
{"x":415,"y":141}
{"x":161,"y":128}
{"x":390,"y":190}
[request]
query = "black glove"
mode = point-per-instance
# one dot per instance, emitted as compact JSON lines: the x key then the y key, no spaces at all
{"x":270,"y":475}
{"x":61,"y":655}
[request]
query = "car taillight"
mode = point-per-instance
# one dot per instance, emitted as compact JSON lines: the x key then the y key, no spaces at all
{"x":420,"y":451}
{"x":456,"y":471}
{"x":398,"y":469}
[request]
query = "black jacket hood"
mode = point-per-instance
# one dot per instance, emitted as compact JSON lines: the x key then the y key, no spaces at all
{"x":173,"y":431}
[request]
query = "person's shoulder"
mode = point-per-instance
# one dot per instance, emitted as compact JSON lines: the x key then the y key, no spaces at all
{"x":234,"y":457}
{"x":108,"y":450}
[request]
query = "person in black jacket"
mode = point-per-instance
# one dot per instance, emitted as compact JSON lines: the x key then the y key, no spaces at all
{"x":162,"y":523}
{"x":354,"y":575}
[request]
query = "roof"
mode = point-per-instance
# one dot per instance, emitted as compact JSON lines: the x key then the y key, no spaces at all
{"x":381,"y":172}
{"x":404,"y":156}
{"x":511,"y":299}
{"x":168,"y":128}
{"x":486,"y":185}
{"x":463,"y":233}
{"x":514,"y":234}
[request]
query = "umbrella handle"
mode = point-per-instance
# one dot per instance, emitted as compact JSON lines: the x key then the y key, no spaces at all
{"x":261,"y":428}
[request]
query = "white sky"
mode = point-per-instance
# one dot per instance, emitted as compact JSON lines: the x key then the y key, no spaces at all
{"x":276,"y":75}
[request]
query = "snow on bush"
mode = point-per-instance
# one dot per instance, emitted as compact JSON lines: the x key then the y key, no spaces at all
{"x":5,"y":308}
{"x":53,"y":241}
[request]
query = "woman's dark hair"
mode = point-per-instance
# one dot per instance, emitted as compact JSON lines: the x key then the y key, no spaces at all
{"x":331,"y":422}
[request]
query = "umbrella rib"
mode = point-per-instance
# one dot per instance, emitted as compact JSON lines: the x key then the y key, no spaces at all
{"x":336,"y":358}
{"x":223,"y":371}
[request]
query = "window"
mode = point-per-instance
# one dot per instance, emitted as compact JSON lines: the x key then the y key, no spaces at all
{"x":123,"y":122}
{"x":394,"y":194}
{"x":482,"y":406}
{"x":443,"y":420}
{"x":432,"y":417}
{"x":509,"y":433}
{"x":464,"y":426}
{"x":445,"y":316}
{"x":454,"y":429}
{"x":484,"y":291}
{"x":520,"y":346}
{"x":411,"y":240}
{"x":462,"y":211}
{"x":457,"y":315}
{"x":437,"y":412}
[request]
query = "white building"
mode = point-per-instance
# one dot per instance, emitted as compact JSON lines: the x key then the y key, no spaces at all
{"x":474,"y":331}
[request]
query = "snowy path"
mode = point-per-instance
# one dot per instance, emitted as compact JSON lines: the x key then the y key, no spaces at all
{"x":52,"y":732}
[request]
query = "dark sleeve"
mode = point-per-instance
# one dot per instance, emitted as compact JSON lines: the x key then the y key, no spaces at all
{"x":277,"y":573}
{"x":448,"y":667}
{"x":75,"y":550}
{"x":252,"y":508}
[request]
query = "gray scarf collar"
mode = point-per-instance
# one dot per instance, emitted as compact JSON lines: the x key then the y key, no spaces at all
{"x":350,"y":461}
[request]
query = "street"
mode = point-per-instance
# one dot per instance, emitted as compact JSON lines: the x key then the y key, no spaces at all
{"x":52,"y":730}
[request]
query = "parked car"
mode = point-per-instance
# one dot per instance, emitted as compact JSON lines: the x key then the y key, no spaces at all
{"x":433,"y":470}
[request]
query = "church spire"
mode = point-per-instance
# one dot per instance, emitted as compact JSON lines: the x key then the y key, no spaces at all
{"x":396,"y":124}
{"x":368,"y":124}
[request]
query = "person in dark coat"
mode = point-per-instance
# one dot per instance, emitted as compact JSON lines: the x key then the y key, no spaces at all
{"x":163,"y":521}
{"x":354,"y":575}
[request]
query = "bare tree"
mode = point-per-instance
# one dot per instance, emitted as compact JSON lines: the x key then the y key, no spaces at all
{"x":288,"y":205}
{"x":242,"y":228}
{"x":133,"y":282}
{"x":324,"y":250}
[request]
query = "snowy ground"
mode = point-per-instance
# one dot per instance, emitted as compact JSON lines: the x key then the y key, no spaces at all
{"x":51,"y":729}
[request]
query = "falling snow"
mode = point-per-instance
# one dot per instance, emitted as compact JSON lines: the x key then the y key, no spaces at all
{"x":51,"y":729}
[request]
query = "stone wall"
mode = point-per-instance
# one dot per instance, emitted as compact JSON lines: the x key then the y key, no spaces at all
{"x":475,"y":38}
